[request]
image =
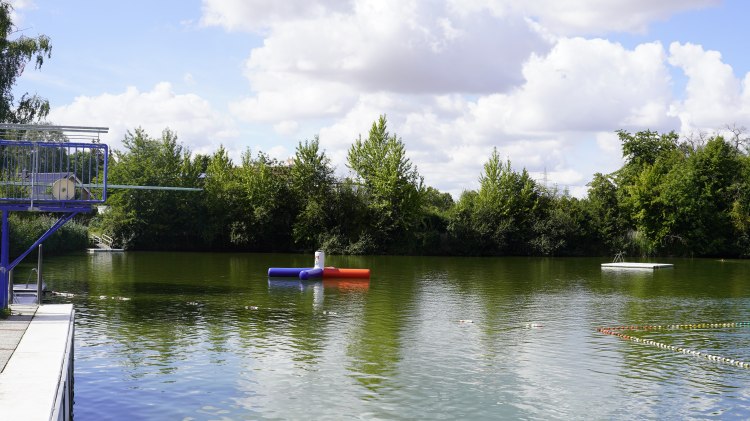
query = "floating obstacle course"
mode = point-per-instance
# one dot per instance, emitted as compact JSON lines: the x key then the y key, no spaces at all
{"x":619,"y":331}
{"x":319,"y":271}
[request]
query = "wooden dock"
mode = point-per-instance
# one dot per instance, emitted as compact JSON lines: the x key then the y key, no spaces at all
{"x":633,"y":265}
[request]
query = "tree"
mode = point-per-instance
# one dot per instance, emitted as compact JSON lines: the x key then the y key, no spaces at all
{"x":432,"y":233}
{"x":506,"y":206}
{"x":312,"y":183}
{"x":222,"y":199}
{"x":608,"y":218}
{"x":680,"y":198}
{"x":312,"y":175}
{"x":154,"y":219}
{"x":560,"y":228}
{"x":463,"y":236}
{"x":14,"y":56}
{"x":393,"y":185}
{"x":703,"y":194}
{"x":265,"y":203}
{"x":740,"y":209}
{"x":646,"y":146}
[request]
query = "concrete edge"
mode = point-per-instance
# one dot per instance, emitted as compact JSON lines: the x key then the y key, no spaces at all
{"x":30,"y":382}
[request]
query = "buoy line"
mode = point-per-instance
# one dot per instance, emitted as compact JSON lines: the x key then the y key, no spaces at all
{"x":617,"y":331}
{"x":681,"y":327}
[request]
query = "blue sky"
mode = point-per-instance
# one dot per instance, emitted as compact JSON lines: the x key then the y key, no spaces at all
{"x":547,"y":83}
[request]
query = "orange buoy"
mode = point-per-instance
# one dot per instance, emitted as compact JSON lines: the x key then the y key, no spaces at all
{"x":330,"y":272}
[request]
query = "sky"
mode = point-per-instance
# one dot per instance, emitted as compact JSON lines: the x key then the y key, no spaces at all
{"x":546,"y":82}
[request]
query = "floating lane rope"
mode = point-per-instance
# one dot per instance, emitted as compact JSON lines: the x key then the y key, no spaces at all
{"x":617,"y":331}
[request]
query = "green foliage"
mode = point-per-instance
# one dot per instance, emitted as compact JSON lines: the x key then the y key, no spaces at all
{"x":645,"y":147}
{"x":739,"y":212}
{"x":506,"y":207}
{"x":153,"y":219}
{"x":608,"y":218}
{"x":26,"y":228}
{"x":650,"y":201}
{"x":463,"y":237}
{"x":265,"y":199}
{"x":512,"y":215}
{"x":563,"y":229}
{"x":312,"y":175}
{"x":249,"y":207}
{"x":393,"y":187}
{"x":668,"y":198}
{"x":431,"y":236}
{"x":312,"y":184}
{"x":14,"y":56}
{"x":704,"y":191}
{"x":682,"y":199}
{"x":222,"y":192}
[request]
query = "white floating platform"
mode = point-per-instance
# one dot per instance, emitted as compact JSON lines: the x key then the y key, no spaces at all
{"x":629,"y":265}
{"x":105,"y":250}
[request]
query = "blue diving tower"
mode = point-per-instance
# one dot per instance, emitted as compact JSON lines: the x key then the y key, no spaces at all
{"x":51,"y":169}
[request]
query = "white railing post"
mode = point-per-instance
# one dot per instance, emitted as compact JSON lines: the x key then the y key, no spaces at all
{"x":39,"y":278}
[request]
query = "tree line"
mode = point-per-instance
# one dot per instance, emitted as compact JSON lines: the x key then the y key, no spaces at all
{"x":672,"y":196}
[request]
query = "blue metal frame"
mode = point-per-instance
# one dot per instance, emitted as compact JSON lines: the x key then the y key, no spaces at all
{"x":70,"y":208}
{"x":5,"y":265}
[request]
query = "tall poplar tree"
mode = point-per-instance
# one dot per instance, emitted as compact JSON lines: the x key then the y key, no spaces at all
{"x":394,"y":187}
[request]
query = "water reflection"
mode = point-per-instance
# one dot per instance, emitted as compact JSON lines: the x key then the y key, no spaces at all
{"x":210,"y":336}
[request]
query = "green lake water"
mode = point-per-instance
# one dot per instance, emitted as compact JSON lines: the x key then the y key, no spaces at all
{"x":189,"y":336}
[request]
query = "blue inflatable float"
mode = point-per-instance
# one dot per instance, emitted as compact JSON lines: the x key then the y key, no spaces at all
{"x":317,"y":271}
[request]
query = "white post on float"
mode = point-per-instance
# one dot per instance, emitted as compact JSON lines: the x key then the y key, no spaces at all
{"x":320,"y":259}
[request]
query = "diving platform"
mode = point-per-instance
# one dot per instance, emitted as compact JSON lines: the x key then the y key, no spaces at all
{"x":635,"y":265}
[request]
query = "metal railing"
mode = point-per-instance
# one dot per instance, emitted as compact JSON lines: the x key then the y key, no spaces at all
{"x":53,"y":172}
{"x":103,"y":240}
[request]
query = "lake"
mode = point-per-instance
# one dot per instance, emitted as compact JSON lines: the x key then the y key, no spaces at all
{"x":193,"y":336}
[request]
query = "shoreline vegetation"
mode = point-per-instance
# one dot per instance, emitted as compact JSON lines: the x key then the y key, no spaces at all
{"x":672,"y":197}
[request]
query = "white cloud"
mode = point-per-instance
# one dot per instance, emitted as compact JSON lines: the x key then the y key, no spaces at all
{"x":593,"y":17}
{"x":608,"y":141}
{"x":396,"y":46}
{"x":287,"y":97}
{"x":17,"y":6}
{"x":594,"y":85}
{"x":256,"y":15}
{"x":581,"y":89}
{"x":286,"y":127}
{"x":569,"y":18}
{"x":457,"y":78}
{"x":196,"y":123}
{"x":714,"y":96}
